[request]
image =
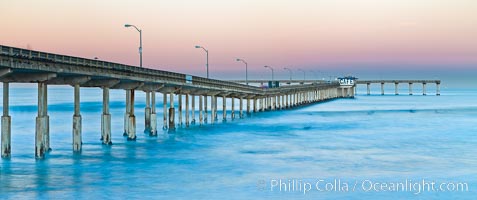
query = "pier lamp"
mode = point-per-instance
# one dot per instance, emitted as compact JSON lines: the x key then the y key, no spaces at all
{"x":304,"y":75}
{"x":207,"y":54}
{"x":246,"y":68}
{"x":289,"y":70}
{"x":270,"y":69}
{"x":140,"y":41}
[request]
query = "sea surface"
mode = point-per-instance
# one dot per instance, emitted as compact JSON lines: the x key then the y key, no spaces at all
{"x":364,"y":142}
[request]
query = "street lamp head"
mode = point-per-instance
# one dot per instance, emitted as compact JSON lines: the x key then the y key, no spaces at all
{"x":238,"y":59}
{"x":266,"y":66}
{"x":197,"y":46}
{"x":127,"y":25}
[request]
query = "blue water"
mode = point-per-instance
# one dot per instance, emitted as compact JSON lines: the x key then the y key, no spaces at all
{"x":378,"y":138}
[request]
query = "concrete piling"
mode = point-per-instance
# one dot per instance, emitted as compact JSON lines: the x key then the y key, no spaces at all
{"x":201,"y":120}
{"x":232,"y":114}
{"x":438,"y":89}
{"x":205,"y":109}
{"x":132,"y":117}
{"x":241,"y":108}
{"x":224,"y":108}
{"x":77,"y":120}
{"x":187,"y":110}
{"x":106,"y":119}
{"x":179,"y":111}
{"x":410,"y":88}
{"x":153,"y":114}
{"x":382,"y":88}
{"x":172,"y":126}
{"x":193,"y":109}
{"x":147,"y":114}
{"x":424,"y":89}
{"x":396,"y":87}
{"x":6,"y":124}
{"x":126,"y":114}
{"x":42,"y":123}
{"x":164,"y":111}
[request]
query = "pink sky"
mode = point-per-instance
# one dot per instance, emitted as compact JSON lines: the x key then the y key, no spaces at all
{"x":310,"y":34}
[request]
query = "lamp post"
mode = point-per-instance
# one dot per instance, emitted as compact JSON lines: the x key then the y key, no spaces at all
{"x":285,"y":68}
{"x":207,"y":54}
{"x":304,"y":75}
{"x":270,"y":69}
{"x":246,"y":69}
{"x":140,"y":42}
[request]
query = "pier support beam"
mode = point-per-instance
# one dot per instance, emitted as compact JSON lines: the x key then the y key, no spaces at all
{"x":153,"y":114}
{"x":205,"y":109}
{"x":232,"y":114}
{"x":248,"y":105}
{"x":6,"y":123}
{"x":179,"y":112}
{"x":438,"y":89}
{"x":164,"y":111}
{"x":255,"y":105}
{"x":172,"y":126}
{"x":147,"y":114}
{"x":368,"y":88}
{"x":187,"y":110}
{"x":213,"y":109}
{"x":396,"y":86}
{"x":193,"y":109}
{"x":410,"y":88}
{"x":106,"y":119}
{"x":42,"y":135}
{"x":224,"y":108}
{"x":424,"y":89}
{"x":126,"y":114}
{"x":132,"y":117}
{"x":200,"y":110}
{"x":77,"y":142}
{"x":241,"y":108}
{"x":382,"y":88}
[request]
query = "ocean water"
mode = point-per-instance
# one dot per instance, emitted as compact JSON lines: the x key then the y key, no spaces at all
{"x":365,"y":141}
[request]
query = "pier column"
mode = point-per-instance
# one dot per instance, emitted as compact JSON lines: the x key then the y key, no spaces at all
{"x":368,"y":88}
{"x":224,"y":109}
{"x":172,"y":125}
{"x":193,"y":109}
{"x":212,"y":112}
{"x":132,"y":117}
{"x":153,"y":114}
{"x":382,"y":88}
{"x":164,"y":111}
{"x":205,"y":109}
{"x":232,"y":114}
{"x":410,"y":88}
{"x":42,"y":123}
{"x":126,"y":114}
{"x":396,"y":86}
{"x":179,"y":112}
{"x":6,"y":123}
{"x":215,"y":108}
{"x":248,"y":105}
{"x":147,"y":114}
{"x":106,"y":119}
{"x":424,"y":88}
{"x":201,"y":120}
{"x":187,"y":110}
{"x":241,"y":108}
{"x":438,"y":89}
{"x":77,"y":120}
{"x":255,"y":104}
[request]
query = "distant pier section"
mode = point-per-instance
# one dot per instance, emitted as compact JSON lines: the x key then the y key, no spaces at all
{"x":396,"y":85}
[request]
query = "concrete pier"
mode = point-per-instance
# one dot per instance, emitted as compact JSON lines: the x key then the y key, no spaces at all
{"x":248,"y":105}
{"x":232,"y":114}
{"x":215,"y":109}
{"x":438,"y":89}
{"x":153,"y":115}
{"x":77,"y":142}
{"x":172,"y":126}
{"x":6,"y":123}
{"x":147,"y":114}
{"x":213,"y":102}
{"x":410,"y":88}
{"x":382,"y":88}
{"x":126,"y":114}
{"x":132,"y":118}
{"x":106,"y":119}
{"x":42,"y":123}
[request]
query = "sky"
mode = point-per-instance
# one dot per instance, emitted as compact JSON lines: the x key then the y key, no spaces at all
{"x":370,"y":38}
